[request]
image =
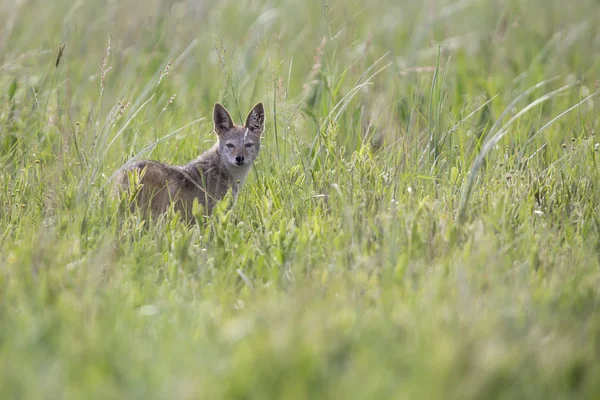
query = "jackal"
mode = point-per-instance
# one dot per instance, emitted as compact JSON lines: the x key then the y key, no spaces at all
{"x":207,"y":178}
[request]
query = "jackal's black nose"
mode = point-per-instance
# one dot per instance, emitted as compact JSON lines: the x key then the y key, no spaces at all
{"x":239,"y":160}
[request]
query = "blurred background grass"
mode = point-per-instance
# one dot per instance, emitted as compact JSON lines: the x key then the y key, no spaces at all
{"x":342,"y":271}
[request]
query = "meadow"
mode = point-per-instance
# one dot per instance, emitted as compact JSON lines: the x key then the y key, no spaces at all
{"x":423,"y":221}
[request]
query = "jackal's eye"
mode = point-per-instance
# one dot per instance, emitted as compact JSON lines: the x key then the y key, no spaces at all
{"x":249,"y":145}
{"x":230,"y":145}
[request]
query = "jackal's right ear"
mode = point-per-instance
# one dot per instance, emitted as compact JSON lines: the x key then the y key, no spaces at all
{"x":222,"y":119}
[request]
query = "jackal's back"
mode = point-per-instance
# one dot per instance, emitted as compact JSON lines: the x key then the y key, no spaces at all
{"x":160,"y":184}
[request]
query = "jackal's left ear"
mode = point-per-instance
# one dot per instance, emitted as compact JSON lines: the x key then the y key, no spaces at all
{"x":255,"y":121}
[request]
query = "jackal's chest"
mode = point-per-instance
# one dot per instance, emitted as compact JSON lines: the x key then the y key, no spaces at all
{"x":238,"y":174}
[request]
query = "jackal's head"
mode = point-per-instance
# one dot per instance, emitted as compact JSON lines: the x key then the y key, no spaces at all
{"x":239,"y":145}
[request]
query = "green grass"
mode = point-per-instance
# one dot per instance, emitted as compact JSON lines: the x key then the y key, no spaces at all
{"x":409,"y":231}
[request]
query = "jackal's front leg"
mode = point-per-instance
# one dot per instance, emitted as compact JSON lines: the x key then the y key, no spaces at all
{"x":235,"y":188}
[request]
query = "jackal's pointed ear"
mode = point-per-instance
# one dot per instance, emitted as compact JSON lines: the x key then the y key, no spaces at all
{"x":255,"y":121}
{"x":222,"y":119}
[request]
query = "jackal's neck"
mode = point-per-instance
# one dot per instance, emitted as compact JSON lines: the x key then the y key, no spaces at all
{"x":211,"y":160}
